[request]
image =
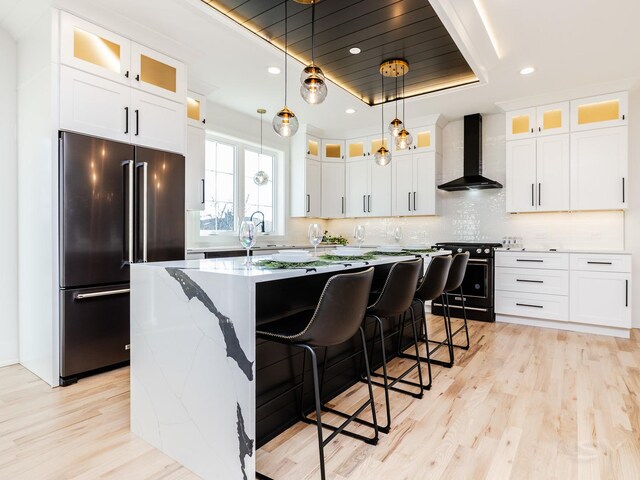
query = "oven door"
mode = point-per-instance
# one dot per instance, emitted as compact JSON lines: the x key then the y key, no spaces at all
{"x":476,"y":279}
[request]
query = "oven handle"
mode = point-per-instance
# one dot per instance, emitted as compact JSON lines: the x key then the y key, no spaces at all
{"x":477,"y":309}
{"x":478,"y":260}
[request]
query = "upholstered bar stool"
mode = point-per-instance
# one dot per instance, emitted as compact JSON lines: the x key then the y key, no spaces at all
{"x":430,"y":288}
{"x":337,"y":318}
{"x":395,"y":299}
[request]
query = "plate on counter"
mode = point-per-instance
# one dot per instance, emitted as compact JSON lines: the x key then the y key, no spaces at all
{"x":389,"y":249}
{"x":417,"y":247}
{"x":347,"y":253}
{"x":294,"y":252}
{"x":290,"y":258}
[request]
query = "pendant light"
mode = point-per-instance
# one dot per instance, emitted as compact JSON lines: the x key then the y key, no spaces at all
{"x":261,"y":177}
{"x":404,"y":138}
{"x":285,"y":122}
{"x":382,"y":156}
{"x":396,"y":124}
{"x":314,"y":85}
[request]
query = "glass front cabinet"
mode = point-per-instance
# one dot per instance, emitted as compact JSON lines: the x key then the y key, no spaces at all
{"x":598,"y":112}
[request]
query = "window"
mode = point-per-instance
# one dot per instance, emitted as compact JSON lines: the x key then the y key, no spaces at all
{"x":240,"y":183}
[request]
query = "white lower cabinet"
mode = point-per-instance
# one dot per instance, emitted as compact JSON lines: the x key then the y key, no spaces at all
{"x":195,"y":166}
{"x":574,"y":291}
{"x":333,"y":195}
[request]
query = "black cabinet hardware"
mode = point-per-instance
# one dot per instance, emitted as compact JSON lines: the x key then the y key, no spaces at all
{"x":623,"y":116}
{"x":532,"y":130}
{"x":137,"y":122}
{"x":308,"y":203}
{"x":528,"y":260}
{"x":599,"y":263}
{"x":364,"y":203}
{"x":343,"y":205}
{"x":126,"y":119}
{"x":308,"y":152}
{"x":529,"y":305}
{"x":414,"y":201}
{"x":126,"y":74}
{"x":626,"y":293}
{"x":204,"y":120}
{"x":532,"y":195}
{"x":529,"y":281}
{"x":202,"y":201}
{"x":623,"y":193}
{"x":539,"y":129}
{"x":137,"y":78}
{"x":539,"y":196}
{"x":409,"y":201}
{"x":369,"y":203}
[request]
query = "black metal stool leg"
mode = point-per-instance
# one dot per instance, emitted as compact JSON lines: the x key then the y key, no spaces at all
{"x":415,"y":344}
{"x":316,"y":392}
{"x":447,"y":342}
{"x":387,"y":427}
{"x":417,"y":356}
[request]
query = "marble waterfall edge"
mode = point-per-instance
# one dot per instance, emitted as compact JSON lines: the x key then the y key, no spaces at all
{"x":192,"y":359}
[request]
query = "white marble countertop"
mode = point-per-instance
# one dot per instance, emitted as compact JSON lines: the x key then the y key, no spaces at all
{"x":269,"y":246}
{"x":563,"y":250}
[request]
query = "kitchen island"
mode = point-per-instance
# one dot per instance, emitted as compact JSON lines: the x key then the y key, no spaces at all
{"x":194,"y":391}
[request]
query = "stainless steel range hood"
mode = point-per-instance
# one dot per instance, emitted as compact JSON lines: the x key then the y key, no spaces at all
{"x":472,"y":178}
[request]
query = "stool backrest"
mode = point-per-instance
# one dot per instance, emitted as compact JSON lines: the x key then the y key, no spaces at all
{"x":398,"y":291}
{"x":434,"y":281}
{"x":457,"y":271}
{"x":340,"y":310}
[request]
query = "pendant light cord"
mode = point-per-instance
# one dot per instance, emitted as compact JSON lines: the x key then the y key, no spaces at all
{"x":261,"y":122}
{"x":285,"y":51}
{"x":313,"y":33}
{"x":382,"y":110}
{"x":403,"y":113}
{"x":396,"y":96}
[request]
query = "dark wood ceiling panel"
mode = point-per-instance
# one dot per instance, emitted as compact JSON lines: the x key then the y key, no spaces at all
{"x":382,"y":29}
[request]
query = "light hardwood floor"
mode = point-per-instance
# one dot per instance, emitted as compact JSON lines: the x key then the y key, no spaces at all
{"x":522,"y":403}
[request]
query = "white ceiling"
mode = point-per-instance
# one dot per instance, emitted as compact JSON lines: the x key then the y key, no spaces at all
{"x":572,"y":44}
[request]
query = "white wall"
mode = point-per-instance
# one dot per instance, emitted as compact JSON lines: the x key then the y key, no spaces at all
{"x":632,"y":217}
{"x":8,"y":203}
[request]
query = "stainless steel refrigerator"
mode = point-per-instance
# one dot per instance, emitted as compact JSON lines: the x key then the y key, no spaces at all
{"x":119,"y":204}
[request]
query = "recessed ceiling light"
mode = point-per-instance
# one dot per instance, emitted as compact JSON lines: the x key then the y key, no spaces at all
{"x":527,"y":71}
{"x":273,"y":70}
{"x":354,"y":50}
{"x":350,"y":110}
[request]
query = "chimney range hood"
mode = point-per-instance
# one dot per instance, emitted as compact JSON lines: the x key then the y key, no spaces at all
{"x":472,"y":178}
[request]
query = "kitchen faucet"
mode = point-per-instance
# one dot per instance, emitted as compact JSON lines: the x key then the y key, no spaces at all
{"x":259,"y":224}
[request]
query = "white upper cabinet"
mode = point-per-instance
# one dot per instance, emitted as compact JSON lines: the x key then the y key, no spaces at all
{"x":306,"y":188}
{"x":314,"y":148}
{"x":414,"y":184}
{"x":599,"y":112}
{"x":356,"y":149}
{"x":332,"y":150}
{"x":521,"y":176}
{"x":195,"y":167}
{"x":93,"y":49}
{"x":553,"y":173}
{"x":368,"y":189}
{"x":357,"y":173}
{"x":521,"y":124}
{"x":94,"y":105}
{"x":402,"y":185}
{"x":424,"y":140}
{"x":599,"y":169}
{"x":333,"y":190}
{"x":157,"y":73}
{"x":157,"y":122}
{"x":196,"y":110}
{"x":379,"y":196}
{"x":553,"y":119}
{"x":313,"y":188}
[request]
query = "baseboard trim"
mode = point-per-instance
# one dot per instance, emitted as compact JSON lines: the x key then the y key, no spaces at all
{"x":568,"y":326}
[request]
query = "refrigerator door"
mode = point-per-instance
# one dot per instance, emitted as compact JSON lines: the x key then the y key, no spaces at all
{"x":96,"y":236}
{"x":94,"y":328}
{"x":160,"y":210}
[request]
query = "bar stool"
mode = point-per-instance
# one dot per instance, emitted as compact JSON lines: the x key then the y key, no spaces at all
{"x":395,"y":299}
{"x":454,"y":283}
{"x":430,"y":288}
{"x":337,"y":317}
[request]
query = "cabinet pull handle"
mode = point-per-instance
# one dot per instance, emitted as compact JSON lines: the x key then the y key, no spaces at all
{"x":204,"y":120}
{"x":364,"y":203}
{"x":600,"y":263}
{"x":532,"y":130}
{"x":529,"y":305}
{"x":409,"y":201}
{"x":126,"y":119}
{"x":308,"y":203}
{"x":623,"y":192}
{"x":343,"y":205}
{"x":626,"y":293}
{"x":539,"y":195}
{"x":623,"y":116}
{"x":529,"y":281}
{"x":137,"y":122}
{"x":539,"y":129}
{"x":414,"y":201}
{"x":202,"y":180}
{"x":138,"y":78}
{"x":532,"y":195}
{"x":528,"y":260}
{"x":126,"y":74}
{"x":369,"y":203}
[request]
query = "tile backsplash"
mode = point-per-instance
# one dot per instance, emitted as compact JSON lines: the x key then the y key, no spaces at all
{"x":480,"y":215}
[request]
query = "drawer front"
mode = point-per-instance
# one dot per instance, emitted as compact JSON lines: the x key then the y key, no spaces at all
{"x":555,"y":261}
{"x":532,"y":280}
{"x":601,"y":262}
{"x":533,"y":305}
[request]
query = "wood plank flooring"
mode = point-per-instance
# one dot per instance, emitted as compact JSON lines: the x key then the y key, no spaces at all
{"x":521,"y":403}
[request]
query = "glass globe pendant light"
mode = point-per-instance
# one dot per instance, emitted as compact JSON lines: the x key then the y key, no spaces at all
{"x":382,"y":156}
{"x":261,"y":177}
{"x":396,"y":124}
{"x":285,"y":122}
{"x":404,"y":140}
{"x":314,"y":85}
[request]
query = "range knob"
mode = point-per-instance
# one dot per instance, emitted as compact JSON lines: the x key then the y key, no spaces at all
{"x":486,"y":250}
{"x":459,"y":250}
{"x":479,"y":250}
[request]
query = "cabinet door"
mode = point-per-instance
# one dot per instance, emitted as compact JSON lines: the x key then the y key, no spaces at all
{"x":374,"y":142}
{"x":599,"y":112}
{"x":402,"y":185}
{"x":521,"y":124}
{"x":95,"y":106}
{"x":553,"y":119}
{"x":333,"y":200}
{"x":157,"y":122}
{"x":357,"y":188}
{"x":601,"y":298}
{"x":521,"y":176}
{"x":553,"y":176}
{"x":314,"y":148}
{"x":424,"y":184}
{"x":195,"y":163}
{"x":196,"y":110}
{"x":356,"y":149}
{"x":332,"y":150}
{"x":159,"y":74}
{"x":93,"y":49}
{"x":314,"y":188}
{"x":599,"y":169}
{"x":379,"y":195}
{"x":424,"y":139}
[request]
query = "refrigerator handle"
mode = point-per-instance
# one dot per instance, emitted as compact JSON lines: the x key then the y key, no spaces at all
{"x":129,"y":164}
{"x":145,"y":209}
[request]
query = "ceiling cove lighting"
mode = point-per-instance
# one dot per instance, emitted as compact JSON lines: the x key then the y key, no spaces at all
{"x":527,"y":71}
{"x":354,"y":50}
{"x":273,"y":70}
{"x":314,"y":85}
{"x":382,"y":156}
{"x":285,"y":122}
{"x":398,"y":68}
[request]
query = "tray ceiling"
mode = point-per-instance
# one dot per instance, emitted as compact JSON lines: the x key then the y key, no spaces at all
{"x":382,"y":29}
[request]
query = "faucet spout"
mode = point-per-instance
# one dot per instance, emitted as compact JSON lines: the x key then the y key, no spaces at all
{"x":260,"y":224}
